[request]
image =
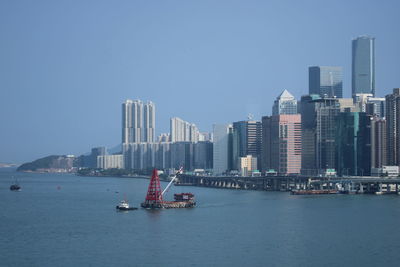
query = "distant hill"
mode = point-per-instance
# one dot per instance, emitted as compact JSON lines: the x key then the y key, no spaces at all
{"x":48,"y":163}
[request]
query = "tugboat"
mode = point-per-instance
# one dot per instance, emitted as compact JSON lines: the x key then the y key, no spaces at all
{"x":124,"y":205}
{"x":15,"y":187}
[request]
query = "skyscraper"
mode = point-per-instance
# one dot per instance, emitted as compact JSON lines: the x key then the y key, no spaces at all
{"x":246,"y":141}
{"x":325,"y":81}
{"x":363,"y":65}
{"x":318,"y":117}
{"x":149,"y":122}
{"x":132,"y":121}
{"x":285,"y":103}
{"x":282,"y":143}
{"x":353,"y":143}
{"x":221,"y":148}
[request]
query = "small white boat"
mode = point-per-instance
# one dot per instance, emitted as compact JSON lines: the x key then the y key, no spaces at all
{"x":124,"y":205}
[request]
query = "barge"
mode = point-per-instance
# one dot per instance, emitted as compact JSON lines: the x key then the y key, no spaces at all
{"x":154,"y":198}
{"x":314,"y":192}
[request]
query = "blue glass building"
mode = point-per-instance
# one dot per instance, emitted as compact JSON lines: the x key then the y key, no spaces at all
{"x":363,"y":65}
{"x":326,"y":81}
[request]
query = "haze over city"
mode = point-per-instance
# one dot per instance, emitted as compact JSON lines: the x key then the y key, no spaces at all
{"x":66,"y":67}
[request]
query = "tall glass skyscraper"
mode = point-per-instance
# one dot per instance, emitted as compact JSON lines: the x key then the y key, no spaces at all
{"x":325,"y":81}
{"x":363,"y":65}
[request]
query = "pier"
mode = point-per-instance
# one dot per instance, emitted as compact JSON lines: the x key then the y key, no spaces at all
{"x":354,"y":184}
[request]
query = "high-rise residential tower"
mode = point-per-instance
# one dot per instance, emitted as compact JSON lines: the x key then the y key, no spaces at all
{"x":325,"y":81}
{"x":149,"y":122}
{"x":363,"y":65}
{"x":285,"y":103}
{"x":132,"y":121}
{"x":183,"y":131}
{"x":378,"y":142}
{"x":392,"y":127}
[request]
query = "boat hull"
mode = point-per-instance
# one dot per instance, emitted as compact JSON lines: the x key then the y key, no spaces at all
{"x":122,"y":208}
{"x":169,"y":205}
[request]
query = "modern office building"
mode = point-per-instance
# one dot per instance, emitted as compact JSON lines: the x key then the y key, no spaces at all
{"x":132,"y":121}
{"x":363,"y":65}
{"x":285,"y":103}
{"x":183,"y":131}
{"x":203,"y":155}
{"x":353,"y":144}
{"x":308,"y":130}
{"x":149,"y":122}
{"x":282,"y":144}
{"x":246,"y":141}
{"x":326,"y":81}
{"x":222,"y":134}
{"x":318,"y":117}
{"x":392,"y":115}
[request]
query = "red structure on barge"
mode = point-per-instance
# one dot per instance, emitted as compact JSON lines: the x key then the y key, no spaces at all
{"x":154,"y":197}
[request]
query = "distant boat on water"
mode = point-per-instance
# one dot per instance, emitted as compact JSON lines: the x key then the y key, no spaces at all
{"x":15,"y":186}
{"x":124,"y":205}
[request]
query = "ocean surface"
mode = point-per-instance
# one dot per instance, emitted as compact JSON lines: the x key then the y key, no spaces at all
{"x":67,"y":220}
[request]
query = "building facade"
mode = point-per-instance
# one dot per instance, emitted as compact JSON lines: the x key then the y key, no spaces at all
{"x":392,"y":127}
{"x":222,"y":134}
{"x":378,"y":142}
{"x":282,"y":143}
{"x":363,"y":65}
{"x":110,"y":162}
{"x":248,"y":164}
{"x":246,"y":140}
{"x":149,"y":122}
{"x":132,"y":121}
{"x":183,"y":131}
{"x":318,"y":117}
{"x":285,"y":103}
{"x":325,"y":81}
{"x":353,"y":144}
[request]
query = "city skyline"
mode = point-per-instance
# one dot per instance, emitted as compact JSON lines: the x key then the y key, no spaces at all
{"x":58,"y":77}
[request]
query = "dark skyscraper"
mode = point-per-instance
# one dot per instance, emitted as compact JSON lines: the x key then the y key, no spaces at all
{"x":363,"y":65}
{"x":318,"y":118}
{"x":325,"y":81}
{"x":246,"y":140}
{"x":353,"y":143}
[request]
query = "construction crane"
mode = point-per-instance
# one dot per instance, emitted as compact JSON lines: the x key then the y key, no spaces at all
{"x":172,"y":180}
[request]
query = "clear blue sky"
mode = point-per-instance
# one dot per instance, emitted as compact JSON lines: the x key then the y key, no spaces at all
{"x":66,"y":66}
